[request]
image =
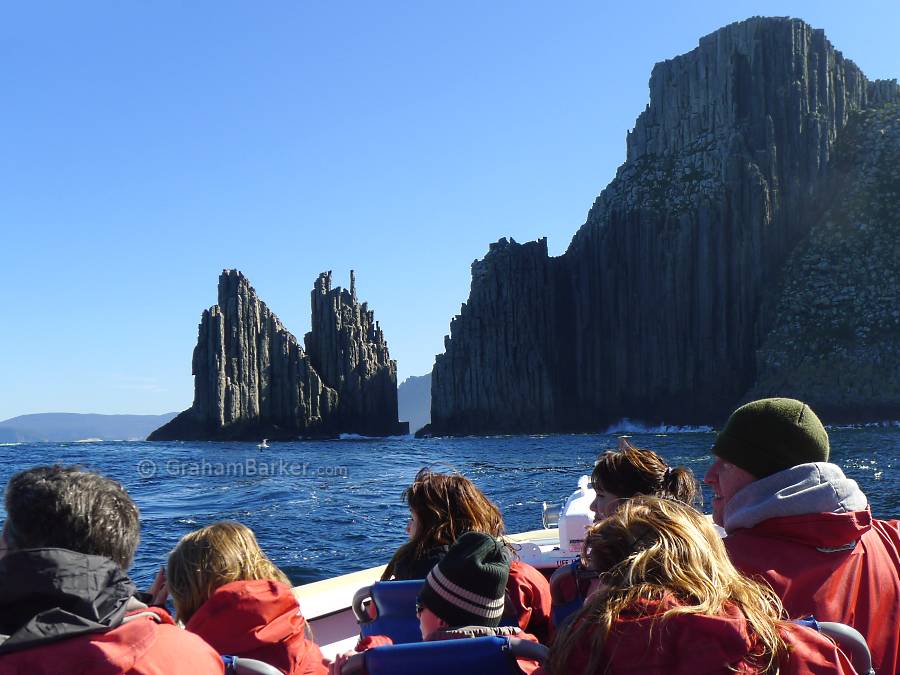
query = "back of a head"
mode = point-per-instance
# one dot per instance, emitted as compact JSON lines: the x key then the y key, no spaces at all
{"x":772,"y":434}
{"x":629,"y":471}
{"x":446,"y":506}
{"x":71,"y":508}
{"x":652,"y":549}
{"x":211,"y":557}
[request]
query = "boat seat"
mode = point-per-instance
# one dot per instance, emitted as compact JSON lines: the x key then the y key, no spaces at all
{"x":472,"y":656}
{"x":850,"y":641}
{"x":239,"y":666}
{"x":568,"y":592}
{"x":394,"y":605}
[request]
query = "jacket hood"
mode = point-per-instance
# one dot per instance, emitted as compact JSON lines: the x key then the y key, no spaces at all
{"x":816,"y":488}
{"x":244,"y":616}
{"x":49,"y":594}
{"x":684,"y":643}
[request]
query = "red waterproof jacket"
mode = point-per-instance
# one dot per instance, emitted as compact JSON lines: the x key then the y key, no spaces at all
{"x":696,"y":644}
{"x":529,"y":593}
{"x":143,"y":645}
{"x":258,"y":620}
{"x":837,"y":566}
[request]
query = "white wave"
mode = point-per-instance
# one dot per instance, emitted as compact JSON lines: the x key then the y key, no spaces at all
{"x":626,"y":425}
{"x":360,"y":437}
{"x":883,"y":424}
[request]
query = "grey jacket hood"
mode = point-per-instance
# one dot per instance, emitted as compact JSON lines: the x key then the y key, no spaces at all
{"x":819,"y":487}
{"x":49,"y":594}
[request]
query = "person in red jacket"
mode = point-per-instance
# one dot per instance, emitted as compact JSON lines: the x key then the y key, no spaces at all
{"x":229,"y":593}
{"x":463,"y":597}
{"x":443,"y":507}
{"x":66,"y":603}
{"x":619,"y":475}
{"x":668,"y":601}
{"x":794,"y":520}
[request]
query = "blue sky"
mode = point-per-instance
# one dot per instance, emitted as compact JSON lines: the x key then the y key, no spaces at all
{"x":146,"y":146}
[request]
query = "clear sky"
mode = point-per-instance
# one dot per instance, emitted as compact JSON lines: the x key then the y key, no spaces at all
{"x":145,"y":146}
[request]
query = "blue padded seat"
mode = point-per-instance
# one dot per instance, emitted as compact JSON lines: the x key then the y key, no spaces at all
{"x":472,"y":656}
{"x":235,"y":665}
{"x":395,"y":606}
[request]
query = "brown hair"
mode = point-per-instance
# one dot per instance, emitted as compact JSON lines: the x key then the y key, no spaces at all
{"x":211,"y":557}
{"x":73,"y":508}
{"x":630,"y":471}
{"x":654,"y":548}
{"x":446,"y":506}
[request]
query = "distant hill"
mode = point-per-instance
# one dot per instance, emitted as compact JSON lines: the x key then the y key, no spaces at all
{"x":414,"y":401}
{"x":61,"y":427}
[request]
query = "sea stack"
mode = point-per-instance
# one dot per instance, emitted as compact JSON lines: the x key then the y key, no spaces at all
{"x":253,"y":379}
{"x":732,"y":256}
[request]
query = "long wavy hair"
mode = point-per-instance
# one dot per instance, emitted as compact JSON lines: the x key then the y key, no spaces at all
{"x":655,"y":549}
{"x":446,"y":506}
{"x":211,"y":557}
{"x":629,"y":471}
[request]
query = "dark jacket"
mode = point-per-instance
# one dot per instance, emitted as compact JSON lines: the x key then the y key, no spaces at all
{"x":258,"y":620}
{"x":66,"y":612}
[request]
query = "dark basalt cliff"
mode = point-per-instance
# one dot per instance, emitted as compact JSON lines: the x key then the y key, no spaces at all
{"x":252,"y":378}
{"x":677,"y":279}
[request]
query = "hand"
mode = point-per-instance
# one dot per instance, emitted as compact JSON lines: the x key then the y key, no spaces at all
{"x":159,"y":591}
{"x":334,"y":668}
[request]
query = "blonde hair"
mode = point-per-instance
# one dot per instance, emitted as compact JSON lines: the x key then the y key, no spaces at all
{"x":655,"y":548}
{"x":211,"y":557}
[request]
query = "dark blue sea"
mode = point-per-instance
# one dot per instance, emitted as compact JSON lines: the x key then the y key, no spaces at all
{"x":326,"y":508}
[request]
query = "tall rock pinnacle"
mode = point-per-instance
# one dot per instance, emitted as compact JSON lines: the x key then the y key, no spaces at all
{"x":252,"y":378}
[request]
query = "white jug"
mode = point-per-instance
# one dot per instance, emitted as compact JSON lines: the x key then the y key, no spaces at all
{"x":576,"y":516}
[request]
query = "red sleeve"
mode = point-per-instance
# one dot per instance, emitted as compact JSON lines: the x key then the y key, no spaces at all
{"x":529,"y":591}
{"x":373,"y":641}
{"x":810,"y":653}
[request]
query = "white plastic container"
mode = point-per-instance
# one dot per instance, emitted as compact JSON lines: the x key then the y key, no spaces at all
{"x":576,"y":517}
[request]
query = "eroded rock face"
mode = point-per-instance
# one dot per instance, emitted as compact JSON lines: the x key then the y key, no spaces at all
{"x":835,"y":340}
{"x":659,"y":305}
{"x":252,"y":378}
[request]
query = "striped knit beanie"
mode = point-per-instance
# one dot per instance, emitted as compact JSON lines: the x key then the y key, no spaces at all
{"x":468,"y":586}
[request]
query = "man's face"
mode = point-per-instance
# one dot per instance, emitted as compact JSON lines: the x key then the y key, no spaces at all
{"x":726,"y":480}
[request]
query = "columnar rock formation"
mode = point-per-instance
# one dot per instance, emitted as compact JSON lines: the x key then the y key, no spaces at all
{"x":347,"y":346}
{"x":658,"y":307}
{"x":252,"y":378}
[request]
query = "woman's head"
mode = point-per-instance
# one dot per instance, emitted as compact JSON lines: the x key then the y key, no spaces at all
{"x":659,"y":543}
{"x":444,"y":506}
{"x":629,"y":471}
{"x":654,"y":549}
{"x":211,"y":557}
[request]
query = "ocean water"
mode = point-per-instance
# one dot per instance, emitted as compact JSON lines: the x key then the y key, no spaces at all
{"x":325,"y":508}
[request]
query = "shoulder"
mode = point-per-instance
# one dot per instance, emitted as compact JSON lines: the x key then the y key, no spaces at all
{"x":811,"y":652}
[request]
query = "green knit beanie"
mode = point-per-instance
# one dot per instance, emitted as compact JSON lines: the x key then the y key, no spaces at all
{"x":770,"y":435}
{"x":468,"y":586}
